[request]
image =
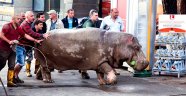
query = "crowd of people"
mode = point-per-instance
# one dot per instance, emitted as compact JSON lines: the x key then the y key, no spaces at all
{"x":24,"y":29}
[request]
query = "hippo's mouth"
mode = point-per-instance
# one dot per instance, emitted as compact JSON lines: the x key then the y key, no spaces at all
{"x":141,"y":65}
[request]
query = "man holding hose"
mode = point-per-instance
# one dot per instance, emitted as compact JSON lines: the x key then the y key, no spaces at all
{"x":9,"y":35}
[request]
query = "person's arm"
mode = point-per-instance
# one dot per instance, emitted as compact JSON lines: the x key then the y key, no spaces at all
{"x":2,"y":36}
{"x":103,"y":24}
{"x":5,"y":29}
{"x":30,"y":32}
{"x":122,"y":26}
{"x":76,"y":22}
{"x":59,"y":24}
{"x":32,"y":39}
{"x":87,"y":24}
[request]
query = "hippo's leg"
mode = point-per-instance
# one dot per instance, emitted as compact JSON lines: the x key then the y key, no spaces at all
{"x":84,"y":74}
{"x":111,"y":77}
{"x":100,"y":77}
{"x":45,"y":71}
{"x":46,"y":75}
{"x":38,"y":74}
{"x":107,"y":69}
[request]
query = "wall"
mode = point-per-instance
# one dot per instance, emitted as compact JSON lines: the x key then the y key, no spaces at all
{"x":122,"y":6}
{"x":82,"y":7}
{"x":22,"y":6}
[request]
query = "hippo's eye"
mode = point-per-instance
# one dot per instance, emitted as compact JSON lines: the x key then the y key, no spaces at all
{"x":137,"y":47}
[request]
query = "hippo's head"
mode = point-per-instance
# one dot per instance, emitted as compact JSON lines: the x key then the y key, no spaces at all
{"x":130,"y":51}
{"x":137,"y":59}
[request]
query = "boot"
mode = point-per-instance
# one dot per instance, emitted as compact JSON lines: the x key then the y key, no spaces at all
{"x":28,"y":74}
{"x":10,"y":76}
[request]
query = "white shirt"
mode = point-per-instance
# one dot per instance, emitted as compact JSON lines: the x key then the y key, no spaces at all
{"x":59,"y":24}
{"x":116,"y":26}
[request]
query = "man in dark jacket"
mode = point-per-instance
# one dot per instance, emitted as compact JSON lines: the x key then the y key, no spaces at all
{"x":92,"y":21}
{"x":70,"y":21}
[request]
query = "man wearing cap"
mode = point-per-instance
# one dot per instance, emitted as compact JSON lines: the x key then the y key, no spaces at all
{"x":53,"y":22}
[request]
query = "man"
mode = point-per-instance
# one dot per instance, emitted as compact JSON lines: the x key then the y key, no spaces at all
{"x":53,"y":22}
{"x":70,"y":21}
{"x":20,"y":49}
{"x":113,"y":22}
{"x":10,"y":32}
{"x":29,"y":50}
{"x":41,"y":18}
{"x":38,"y":28}
{"x":92,"y":21}
{"x":22,"y":16}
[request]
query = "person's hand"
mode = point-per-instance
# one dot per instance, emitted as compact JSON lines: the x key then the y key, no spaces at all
{"x":13,"y":42}
{"x":38,"y":41}
{"x":46,"y":35}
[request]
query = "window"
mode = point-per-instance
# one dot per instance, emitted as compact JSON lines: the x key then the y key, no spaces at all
{"x":38,"y":5}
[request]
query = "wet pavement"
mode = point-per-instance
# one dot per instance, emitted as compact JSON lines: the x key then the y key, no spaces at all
{"x":69,"y":83}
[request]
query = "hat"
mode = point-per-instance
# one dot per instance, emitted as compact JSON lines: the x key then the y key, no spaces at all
{"x":52,"y":11}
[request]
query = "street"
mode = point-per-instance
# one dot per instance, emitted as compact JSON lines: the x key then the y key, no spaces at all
{"x":69,"y":83}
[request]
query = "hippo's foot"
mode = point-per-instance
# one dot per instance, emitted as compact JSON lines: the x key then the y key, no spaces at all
{"x":102,"y":82}
{"x":111,"y":83}
{"x":117,"y":73}
{"x":39,"y":77}
{"x":85,"y":75}
{"x":48,"y":81}
{"x":111,"y":78}
{"x":101,"y":79}
{"x":60,"y":71}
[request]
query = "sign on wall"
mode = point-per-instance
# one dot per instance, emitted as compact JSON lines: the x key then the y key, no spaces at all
{"x":172,"y":23}
{"x":5,"y":10}
{"x":6,"y":1}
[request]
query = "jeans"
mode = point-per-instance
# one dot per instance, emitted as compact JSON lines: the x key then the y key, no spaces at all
{"x":20,"y":55}
{"x":29,"y":54}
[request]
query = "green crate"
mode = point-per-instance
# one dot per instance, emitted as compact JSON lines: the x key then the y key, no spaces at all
{"x":143,"y":73}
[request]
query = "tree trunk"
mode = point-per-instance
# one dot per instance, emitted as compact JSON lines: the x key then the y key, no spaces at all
{"x":170,"y":6}
{"x":183,"y":6}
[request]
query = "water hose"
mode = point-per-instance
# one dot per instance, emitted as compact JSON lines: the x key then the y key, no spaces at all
{"x":3,"y":87}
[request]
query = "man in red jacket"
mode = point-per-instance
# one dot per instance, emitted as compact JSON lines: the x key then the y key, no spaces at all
{"x":8,"y":36}
{"x":20,"y":49}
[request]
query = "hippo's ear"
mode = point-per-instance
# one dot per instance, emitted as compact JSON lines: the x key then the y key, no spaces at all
{"x":130,"y":39}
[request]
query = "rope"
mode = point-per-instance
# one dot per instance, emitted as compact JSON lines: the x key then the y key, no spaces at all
{"x":46,"y":63}
{"x":3,"y":87}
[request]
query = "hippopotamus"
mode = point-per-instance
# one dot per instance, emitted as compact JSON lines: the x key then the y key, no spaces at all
{"x":90,"y":49}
